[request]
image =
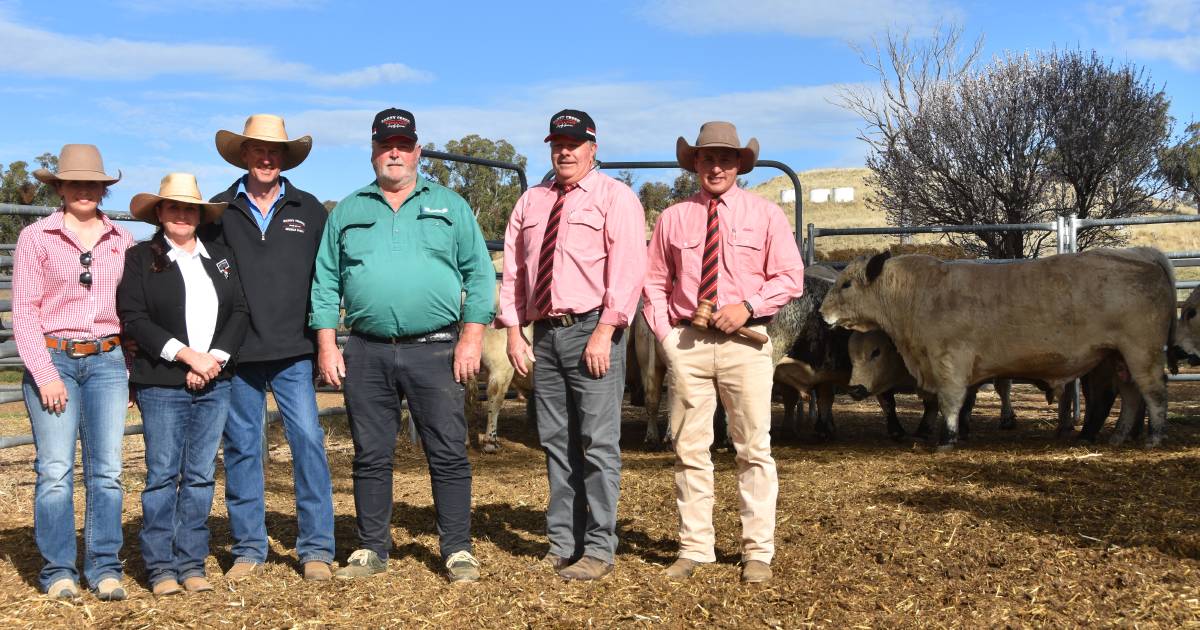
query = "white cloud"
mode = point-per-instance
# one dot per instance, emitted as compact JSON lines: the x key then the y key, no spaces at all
{"x":847,"y":19}
{"x":42,"y":53}
{"x":1154,"y":29}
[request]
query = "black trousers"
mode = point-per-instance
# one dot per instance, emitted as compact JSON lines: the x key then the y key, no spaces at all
{"x":378,"y":376}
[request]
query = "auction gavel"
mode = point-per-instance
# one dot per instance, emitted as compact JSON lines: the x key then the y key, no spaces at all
{"x":704,"y":313}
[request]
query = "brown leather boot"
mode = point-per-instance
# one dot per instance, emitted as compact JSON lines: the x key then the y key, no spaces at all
{"x":317,"y":571}
{"x":755,"y":572}
{"x":681,"y":569}
{"x":587,"y":568}
{"x":242,"y":570}
{"x":197,"y":584}
{"x":166,"y":587}
{"x":558,"y":563}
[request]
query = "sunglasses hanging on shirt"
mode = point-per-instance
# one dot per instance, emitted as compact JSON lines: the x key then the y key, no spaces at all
{"x":85,"y":278}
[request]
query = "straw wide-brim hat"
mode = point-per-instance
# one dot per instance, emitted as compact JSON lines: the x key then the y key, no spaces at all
{"x":179,"y":187}
{"x":267,"y":128}
{"x":78,"y":163}
{"x":717,"y":134}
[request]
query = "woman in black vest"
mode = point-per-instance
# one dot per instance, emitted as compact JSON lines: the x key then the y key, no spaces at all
{"x":181,"y":301}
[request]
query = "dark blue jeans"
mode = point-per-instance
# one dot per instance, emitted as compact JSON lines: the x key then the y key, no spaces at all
{"x":292,"y":382}
{"x":183,"y":431}
{"x":378,"y":375}
{"x":97,"y":393}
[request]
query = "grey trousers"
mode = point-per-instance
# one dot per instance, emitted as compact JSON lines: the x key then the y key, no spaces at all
{"x":579,"y":425}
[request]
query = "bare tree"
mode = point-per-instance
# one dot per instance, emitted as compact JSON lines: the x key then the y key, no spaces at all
{"x":1022,"y":140}
{"x":1108,"y":125}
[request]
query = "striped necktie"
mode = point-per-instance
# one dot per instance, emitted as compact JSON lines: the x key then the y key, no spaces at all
{"x":712,"y":254}
{"x":541,"y":291}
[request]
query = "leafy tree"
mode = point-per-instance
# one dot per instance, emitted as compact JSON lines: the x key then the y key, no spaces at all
{"x":655,"y":197}
{"x":685,"y":185}
{"x":491,"y":192}
{"x":1180,"y":164}
{"x":17,"y":186}
{"x":329,"y":205}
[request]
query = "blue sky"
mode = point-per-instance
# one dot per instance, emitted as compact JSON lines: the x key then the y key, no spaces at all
{"x":151,"y":81}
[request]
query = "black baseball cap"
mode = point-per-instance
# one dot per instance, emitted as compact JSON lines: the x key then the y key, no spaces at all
{"x":394,"y":122}
{"x":572,"y":123}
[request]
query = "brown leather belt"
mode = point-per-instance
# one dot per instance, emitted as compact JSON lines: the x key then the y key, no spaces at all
{"x":76,"y":348}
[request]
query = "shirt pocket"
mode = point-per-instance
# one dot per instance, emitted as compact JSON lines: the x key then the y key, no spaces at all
{"x":749,"y":244}
{"x":688,"y":255}
{"x":585,"y":241}
{"x":356,"y":242}
{"x":530,"y":238}
{"x":436,"y":231}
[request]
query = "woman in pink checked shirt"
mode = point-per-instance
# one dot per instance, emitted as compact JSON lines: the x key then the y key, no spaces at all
{"x":65,"y":275}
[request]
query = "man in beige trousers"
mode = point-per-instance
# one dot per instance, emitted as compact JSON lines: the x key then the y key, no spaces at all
{"x":736,"y":250}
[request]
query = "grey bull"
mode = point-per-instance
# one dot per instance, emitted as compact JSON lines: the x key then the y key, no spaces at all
{"x":1052,"y":319}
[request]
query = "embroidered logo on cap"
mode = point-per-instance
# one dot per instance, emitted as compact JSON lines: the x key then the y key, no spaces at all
{"x":396,"y":121}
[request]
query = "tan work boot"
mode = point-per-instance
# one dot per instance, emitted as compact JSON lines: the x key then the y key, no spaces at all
{"x":317,"y":571}
{"x":166,"y":587}
{"x":243,"y":570}
{"x":64,"y":588}
{"x":681,"y":569}
{"x":558,"y":563}
{"x":197,"y":584}
{"x":110,"y":590}
{"x":755,"y":572}
{"x":587,"y":568}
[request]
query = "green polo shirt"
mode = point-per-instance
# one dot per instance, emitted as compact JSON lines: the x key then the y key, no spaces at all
{"x":404,"y":272}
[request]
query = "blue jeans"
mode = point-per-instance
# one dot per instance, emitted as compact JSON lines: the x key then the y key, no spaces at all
{"x":292,"y":382}
{"x":97,"y":393}
{"x":183,"y":431}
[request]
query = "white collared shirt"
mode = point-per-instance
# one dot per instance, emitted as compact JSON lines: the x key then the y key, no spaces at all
{"x":200,"y":304}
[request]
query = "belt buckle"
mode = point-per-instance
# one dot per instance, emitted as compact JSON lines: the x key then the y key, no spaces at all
{"x":72,"y":344}
{"x":566,"y":319}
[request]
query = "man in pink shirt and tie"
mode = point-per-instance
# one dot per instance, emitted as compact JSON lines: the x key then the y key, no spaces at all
{"x":574,"y":258}
{"x":735,"y":249}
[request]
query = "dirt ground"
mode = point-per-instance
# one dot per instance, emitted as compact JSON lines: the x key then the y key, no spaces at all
{"x":1014,"y":529}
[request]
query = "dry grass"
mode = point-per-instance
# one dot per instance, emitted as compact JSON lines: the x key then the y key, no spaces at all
{"x":1012,"y":530}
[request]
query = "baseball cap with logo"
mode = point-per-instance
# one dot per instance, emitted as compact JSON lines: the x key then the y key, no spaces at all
{"x":394,"y":122}
{"x":572,"y":123}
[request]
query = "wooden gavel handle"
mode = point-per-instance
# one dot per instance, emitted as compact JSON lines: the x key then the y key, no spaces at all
{"x":752,"y":335}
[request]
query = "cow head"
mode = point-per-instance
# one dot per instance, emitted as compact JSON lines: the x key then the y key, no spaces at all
{"x":877,"y":365}
{"x":1187,"y":329}
{"x":854,"y":300}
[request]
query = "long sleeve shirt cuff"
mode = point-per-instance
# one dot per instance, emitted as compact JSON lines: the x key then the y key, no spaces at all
{"x":171,"y":349}
{"x":221,"y":356}
{"x":613,"y":317}
{"x":320,"y":321}
{"x":43,"y":375}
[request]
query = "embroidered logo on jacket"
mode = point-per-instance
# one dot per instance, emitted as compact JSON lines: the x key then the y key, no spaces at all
{"x":223,"y":267}
{"x":293,"y":225}
{"x":434,"y":210}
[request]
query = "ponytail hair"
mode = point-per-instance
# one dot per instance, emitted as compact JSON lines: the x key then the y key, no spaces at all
{"x":159,"y":248}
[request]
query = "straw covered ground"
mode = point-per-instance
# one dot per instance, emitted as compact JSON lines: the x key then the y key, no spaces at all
{"x":1015,"y":529}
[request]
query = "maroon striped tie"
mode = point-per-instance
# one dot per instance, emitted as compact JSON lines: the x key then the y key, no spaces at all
{"x":712,"y":254}
{"x":541,"y":289}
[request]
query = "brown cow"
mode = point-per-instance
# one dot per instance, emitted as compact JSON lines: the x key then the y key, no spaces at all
{"x":1052,"y":319}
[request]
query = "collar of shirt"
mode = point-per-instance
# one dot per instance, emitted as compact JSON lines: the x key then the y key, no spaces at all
{"x":176,"y":252}
{"x":588,"y":182}
{"x":54,"y":222}
{"x":263,"y":222}
{"x":729,"y":195}
{"x":422,"y":185}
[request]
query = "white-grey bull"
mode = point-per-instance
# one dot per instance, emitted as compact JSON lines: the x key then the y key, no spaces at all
{"x":1052,"y":319}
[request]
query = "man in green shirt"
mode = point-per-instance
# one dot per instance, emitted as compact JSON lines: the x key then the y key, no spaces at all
{"x":399,"y":254}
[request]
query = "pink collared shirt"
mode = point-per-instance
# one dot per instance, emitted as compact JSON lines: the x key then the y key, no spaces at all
{"x":48,"y":298}
{"x":599,"y":260}
{"x":760,"y":262}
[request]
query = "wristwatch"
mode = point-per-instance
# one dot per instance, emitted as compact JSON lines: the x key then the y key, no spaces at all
{"x":749,"y":308}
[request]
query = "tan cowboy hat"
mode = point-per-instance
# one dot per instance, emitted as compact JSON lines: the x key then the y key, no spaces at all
{"x":268,"y":128}
{"x":179,"y":187}
{"x":78,"y":163}
{"x":717,"y":134}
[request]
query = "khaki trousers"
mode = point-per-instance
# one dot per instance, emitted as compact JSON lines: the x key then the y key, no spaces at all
{"x":701,"y":366}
